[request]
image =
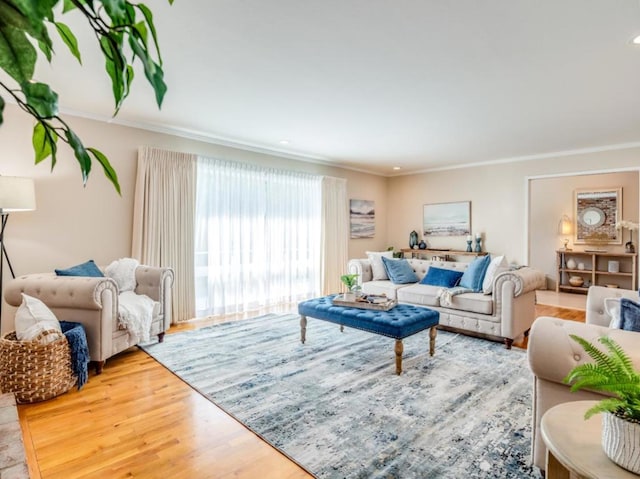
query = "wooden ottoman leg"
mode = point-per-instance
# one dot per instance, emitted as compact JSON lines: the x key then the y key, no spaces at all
{"x":399,"y":348}
{"x":432,"y":340}
{"x":303,"y":329}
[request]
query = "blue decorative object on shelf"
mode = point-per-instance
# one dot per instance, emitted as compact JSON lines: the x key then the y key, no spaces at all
{"x":469,"y":241}
{"x":413,"y":239}
{"x":422,"y":245}
{"x":478,"y":242}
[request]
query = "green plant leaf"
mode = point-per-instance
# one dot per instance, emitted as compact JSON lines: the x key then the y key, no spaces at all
{"x":148,"y":16}
{"x":44,"y":141}
{"x":141,"y":29}
{"x":80,"y":153}
{"x":68,"y":5}
{"x":116,"y":67}
{"x":152,"y":70}
{"x":69,"y":39}
{"x":41,"y":98}
{"x":612,"y":372}
{"x":109,"y":172}
{"x":606,"y":405}
{"x":116,"y":9}
{"x":46,"y":49}
{"x":17,"y":54}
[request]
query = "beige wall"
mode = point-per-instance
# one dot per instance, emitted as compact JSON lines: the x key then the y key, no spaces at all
{"x":73,"y":224}
{"x":552,"y":197}
{"x":498,"y":195}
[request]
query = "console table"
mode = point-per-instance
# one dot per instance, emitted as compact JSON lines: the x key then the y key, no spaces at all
{"x":441,"y":253}
{"x":574,"y":445}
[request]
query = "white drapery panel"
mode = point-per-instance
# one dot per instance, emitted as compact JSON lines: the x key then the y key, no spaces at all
{"x":163,"y":220}
{"x":335,"y":233}
{"x":257,"y":237}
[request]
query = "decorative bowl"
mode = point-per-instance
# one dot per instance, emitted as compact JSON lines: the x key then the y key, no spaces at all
{"x":576,"y":281}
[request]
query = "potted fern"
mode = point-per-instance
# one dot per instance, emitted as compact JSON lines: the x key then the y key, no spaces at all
{"x":351,"y":282}
{"x":612,"y":372}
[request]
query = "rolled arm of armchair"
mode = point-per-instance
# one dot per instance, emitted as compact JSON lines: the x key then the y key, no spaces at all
{"x":524,"y":280}
{"x":75,"y":292}
{"x":553,"y":354}
{"x":361,"y":267}
{"x":156,"y":283}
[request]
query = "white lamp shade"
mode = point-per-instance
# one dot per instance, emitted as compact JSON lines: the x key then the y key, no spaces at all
{"x":565,"y":227}
{"x":17,"y":194}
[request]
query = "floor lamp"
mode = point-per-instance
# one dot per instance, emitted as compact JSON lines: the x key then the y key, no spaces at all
{"x":16,"y":194}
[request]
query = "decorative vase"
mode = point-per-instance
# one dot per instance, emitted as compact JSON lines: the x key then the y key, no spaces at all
{"x":571,"y":263}
{"x":628,"y":246}
{"x":413,"y":239}
{"x":576,"y":281}
{"x":422,"y":245}
{"x":621,"y":441}
{"x":469,"y":249}
{"x":350,"y":296}
{"x":478,"y":244}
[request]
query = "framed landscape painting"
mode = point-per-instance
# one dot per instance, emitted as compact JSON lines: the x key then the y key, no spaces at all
{"x":447,"y":219}
{"x":363,"y":218}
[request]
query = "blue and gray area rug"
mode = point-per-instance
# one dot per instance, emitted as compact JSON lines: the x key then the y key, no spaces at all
{"x":336,"y":406}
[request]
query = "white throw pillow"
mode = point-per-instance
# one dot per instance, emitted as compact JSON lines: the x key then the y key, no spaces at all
{"x":377,"y":268}
{"x":123,"y":272}
{"x":32,"y":318}
{"x":497,"y":266}
{"x":612,"y":307}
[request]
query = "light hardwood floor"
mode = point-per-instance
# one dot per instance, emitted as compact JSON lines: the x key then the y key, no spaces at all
{"x":137,"y":419}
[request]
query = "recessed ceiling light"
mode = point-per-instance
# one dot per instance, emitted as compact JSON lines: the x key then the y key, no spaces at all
{"x":397,"y":168}
{"x":636,"y":40}
{"x":284,"y":142}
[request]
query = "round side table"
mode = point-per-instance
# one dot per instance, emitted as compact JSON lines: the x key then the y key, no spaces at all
{"x":574,"y":444}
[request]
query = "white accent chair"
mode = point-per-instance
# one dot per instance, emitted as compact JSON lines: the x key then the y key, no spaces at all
{"x":94,"y":303}
{"x":552,"y":354}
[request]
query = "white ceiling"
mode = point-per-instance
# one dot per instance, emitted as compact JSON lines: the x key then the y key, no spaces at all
{"x":372,"y":84}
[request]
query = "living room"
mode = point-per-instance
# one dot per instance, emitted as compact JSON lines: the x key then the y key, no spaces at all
{"x":72,"y":223}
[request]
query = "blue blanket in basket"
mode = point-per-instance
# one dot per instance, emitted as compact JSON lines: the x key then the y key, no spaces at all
{"x":77,"y":339}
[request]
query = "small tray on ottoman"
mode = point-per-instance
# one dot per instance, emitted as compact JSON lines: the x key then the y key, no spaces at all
{"x":365,"y":304}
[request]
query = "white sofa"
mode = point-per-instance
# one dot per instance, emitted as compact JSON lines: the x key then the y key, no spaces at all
{"x":503,"y":315}
{"x":552,"y":354}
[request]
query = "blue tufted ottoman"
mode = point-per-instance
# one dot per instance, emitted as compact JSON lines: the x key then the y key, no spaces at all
{"x":398,"y":323}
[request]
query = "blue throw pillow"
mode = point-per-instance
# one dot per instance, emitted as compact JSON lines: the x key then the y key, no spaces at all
{"x":441,"y":277}
{"x":399,"y":271}
{"x":629,"y":315}
{"x":85,"y":269}
{"x":474,"y":275}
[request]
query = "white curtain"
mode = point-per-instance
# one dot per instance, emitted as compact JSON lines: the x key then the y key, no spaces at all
{"x":335,"y":233}
{"x":163,"y":220}
{"x":258,"y":237}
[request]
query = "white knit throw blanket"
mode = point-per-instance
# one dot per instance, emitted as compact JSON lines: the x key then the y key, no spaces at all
{"x":135,"y":312}
{"x":446,"y":294}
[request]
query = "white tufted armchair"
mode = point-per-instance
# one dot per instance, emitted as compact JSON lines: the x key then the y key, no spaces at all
{"x":552,"y":354}
{"x":94,"y":303}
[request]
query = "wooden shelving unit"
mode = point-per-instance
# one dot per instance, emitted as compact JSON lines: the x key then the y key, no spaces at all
{"x":596,"y":271}
{"x":447,"y":254}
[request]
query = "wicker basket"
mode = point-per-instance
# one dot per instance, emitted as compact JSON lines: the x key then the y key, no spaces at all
{"x":34,"y":371}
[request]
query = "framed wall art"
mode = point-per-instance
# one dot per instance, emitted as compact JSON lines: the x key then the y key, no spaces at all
{"x":596,"y":211}
{"x":362,"y":214}
{"x":447,"y":219}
